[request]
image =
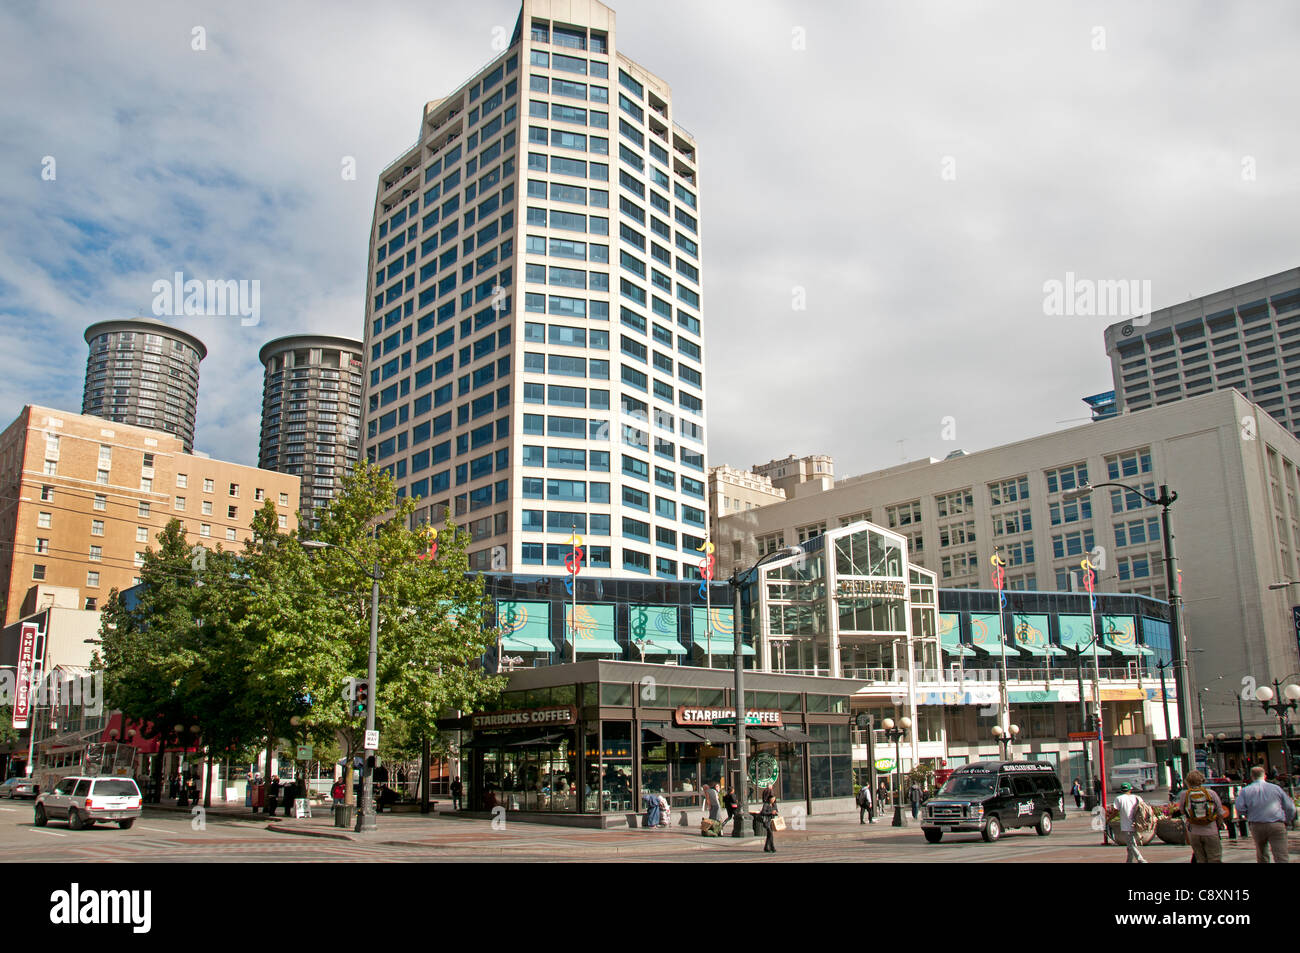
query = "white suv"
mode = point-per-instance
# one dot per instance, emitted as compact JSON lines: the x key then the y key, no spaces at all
{"x":83,"y":801}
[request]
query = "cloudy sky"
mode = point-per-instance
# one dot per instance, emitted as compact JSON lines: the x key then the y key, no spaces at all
{"x":885,"y":189}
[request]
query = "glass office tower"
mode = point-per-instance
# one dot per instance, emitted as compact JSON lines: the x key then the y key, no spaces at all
{"x":533,"y":335}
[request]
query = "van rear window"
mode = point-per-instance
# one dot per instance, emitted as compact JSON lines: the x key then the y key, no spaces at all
{"x":116,"y":788}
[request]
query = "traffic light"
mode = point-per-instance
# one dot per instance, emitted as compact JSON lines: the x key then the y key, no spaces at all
{"x":361,"y":699}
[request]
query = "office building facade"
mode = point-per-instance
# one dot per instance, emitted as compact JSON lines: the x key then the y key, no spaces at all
{"x":1246,"y":338}
{"x":311,"y":412}
{"x":144,"y":373}
{"x":1237,"y":522}
{"x":533,"y":338}
{"x":81,"y":499}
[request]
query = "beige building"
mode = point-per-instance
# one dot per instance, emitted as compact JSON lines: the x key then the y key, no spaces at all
{"x":83,"y":498}
{"x":1237,"y":522}
{"x":735,"y":491}
{"x":788,"y":474}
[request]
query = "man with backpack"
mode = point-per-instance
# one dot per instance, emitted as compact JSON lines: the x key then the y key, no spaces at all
{"x":864,"y":804}
{"x":1132,"y":821}
{"x":1203,"y":810}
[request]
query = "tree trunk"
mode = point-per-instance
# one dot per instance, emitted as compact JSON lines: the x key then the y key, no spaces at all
{"x":424,"y":777}
{"x":270,"y":756}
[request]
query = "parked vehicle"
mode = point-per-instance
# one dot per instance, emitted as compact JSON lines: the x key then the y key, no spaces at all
{"x":83,"y":802}
{"x":1140,"y":774}
{"x":19,"y":787}
{"x":989,"y":797}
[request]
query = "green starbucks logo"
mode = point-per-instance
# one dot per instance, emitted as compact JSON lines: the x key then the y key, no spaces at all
{"x":764,"y":770}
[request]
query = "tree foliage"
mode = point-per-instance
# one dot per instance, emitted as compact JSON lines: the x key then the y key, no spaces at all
{"x":259,"y":643}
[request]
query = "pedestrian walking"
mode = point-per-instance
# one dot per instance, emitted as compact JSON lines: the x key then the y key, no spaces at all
{"x":769,"y":815}
{"x":651,"y":810}
{"x":882,"y":795}
{"x":273,"y":795}
{"x":1269,"y":811}
{"x":457,"y":789}
{"x":1077,"y":790}
{"x":1127,"y":804}
{"x":914,"y":795}
{"x":864,"y":804}
{"x":732,"y":805}
{"x":1203,"y":811}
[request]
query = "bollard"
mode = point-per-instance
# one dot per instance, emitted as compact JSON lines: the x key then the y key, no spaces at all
{"x":342,"y":816}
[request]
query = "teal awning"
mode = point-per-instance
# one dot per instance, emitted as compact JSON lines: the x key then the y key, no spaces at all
{"x":950,"y":635}
{"x":518,"y":643}
{"x":596,"y":645}
{"x":957,"y":649}
{"x":1056,"y":650}
{"x":661,"y":646}
{"x":993,"y":649}
{"x":1037,"y":650}
{"x":1128,"y":651}
{"x":722,"y":647}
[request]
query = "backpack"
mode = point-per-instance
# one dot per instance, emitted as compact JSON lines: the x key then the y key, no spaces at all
{"x":1144,"y":816}
{"x":1200,"y":806}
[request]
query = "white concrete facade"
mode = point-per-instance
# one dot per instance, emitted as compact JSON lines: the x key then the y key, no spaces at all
{"x":1236,"y":524}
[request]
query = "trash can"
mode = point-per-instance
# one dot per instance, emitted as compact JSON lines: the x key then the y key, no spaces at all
{"x":343,"y":815}
{"x":1089,"y":802}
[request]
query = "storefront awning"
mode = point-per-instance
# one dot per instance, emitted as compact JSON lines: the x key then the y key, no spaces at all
{"x":676,"y":734}
{"x":1128,"y":651}
{"x":762,"y":734}
{"x":1056,"y":650}
{"x":662,"y":646}
{"x":992,"y":649}
{"x":1036,"y":650}
{"x":523,"y":643}
{"x":793,"y":735}
{"x":715,"y":736}
{"x":720,"y":647}
{"x":538,"y":742}
{"x":958,"y":650}
{"x":596,"y":645}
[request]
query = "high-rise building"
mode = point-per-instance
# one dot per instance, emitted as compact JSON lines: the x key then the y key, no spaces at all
{"x":1247,"y":338}
{"x":533,"y":338}
{"x":311,"y":412}
{"x":734,"y":491}
{"x":1237,"y":520}
{"x":145,"y":373}
{"x":81,"y":499}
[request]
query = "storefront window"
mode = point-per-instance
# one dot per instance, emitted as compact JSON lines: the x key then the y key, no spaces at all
{"x":791,"y":760}
{"x":831,"y":761}
{"x":616,"y":694}
{"x":616,"y":765}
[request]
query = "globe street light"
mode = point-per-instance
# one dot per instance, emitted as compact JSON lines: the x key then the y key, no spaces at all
{"x":366,"y":814}
{"x":1282,"y":709}
{"x":1005,"y":738}
{"x":896,"y":736}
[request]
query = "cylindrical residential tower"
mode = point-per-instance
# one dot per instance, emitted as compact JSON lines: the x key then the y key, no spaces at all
{"x":143,"y":372}
{"x":311,"y":412}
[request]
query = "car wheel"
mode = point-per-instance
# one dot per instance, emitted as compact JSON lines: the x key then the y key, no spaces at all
{"x":41,"y":820}
{"x":1044,"y":825}
{"x":126,"y":825}
{"x":74,"y":820}
{"x":933,"y":836}
{"x":992,"y":829}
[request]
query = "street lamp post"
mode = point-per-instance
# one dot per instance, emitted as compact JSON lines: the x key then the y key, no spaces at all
{"x":1179,"y":650}
{"x":742,"y":761}
{"x":896,"y":736}
{"x":1282,"y":709}
{"x":1005,"y":738}
{"x":1169,"y":735}
{"x":366,"y":813}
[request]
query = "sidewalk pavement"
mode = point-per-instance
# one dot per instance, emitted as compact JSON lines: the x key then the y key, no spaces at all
{"x":448,"y":830}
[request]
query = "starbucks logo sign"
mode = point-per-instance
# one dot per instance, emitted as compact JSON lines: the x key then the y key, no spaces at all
{"x":764,"y":770}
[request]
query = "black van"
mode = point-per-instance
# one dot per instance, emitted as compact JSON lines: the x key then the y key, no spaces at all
{"x":993,"y":796}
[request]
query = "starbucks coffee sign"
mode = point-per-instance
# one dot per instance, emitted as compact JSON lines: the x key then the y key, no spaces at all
{"x":764,"y":771}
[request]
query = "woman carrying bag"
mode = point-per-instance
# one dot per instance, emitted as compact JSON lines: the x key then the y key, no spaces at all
{"x":771,"y":819}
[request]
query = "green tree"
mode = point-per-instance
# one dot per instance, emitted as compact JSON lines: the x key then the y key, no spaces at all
{"x":432,"y":611}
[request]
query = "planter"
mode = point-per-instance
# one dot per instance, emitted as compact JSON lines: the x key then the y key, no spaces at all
{"x":1171,"y":830}
{"x":1144,"y":837}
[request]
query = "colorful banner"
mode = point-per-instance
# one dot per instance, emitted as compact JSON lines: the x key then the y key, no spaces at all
{"x":527,"y":622}
{"x":593,"y":630}
{"x":656,"y":628}
{"x":1030,"y":630}
{"x":23,"y":676}
{"x":714,"y":630}
{"x":985,"y":628}
{"x":1076,"y":630}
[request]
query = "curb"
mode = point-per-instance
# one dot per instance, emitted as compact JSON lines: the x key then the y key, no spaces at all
{"x":309,"y":832}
